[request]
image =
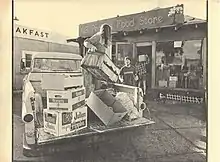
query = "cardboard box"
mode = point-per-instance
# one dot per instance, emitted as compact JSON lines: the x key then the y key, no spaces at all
{"x":142,"y":58}
{"x":162,"y":83}
{"x":73,"y":81}
{"x":61,"y":123}
{"x":80,"y":116}
{"x":67,"y":100}
{"x":173,"y":78}
{"x":172,"y":84}
{"x":52,"y":82}
{"x":105,"y":106}
{"x":101,"y":67}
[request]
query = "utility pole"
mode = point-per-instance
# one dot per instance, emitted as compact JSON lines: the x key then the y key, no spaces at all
{"x":15,"y":18}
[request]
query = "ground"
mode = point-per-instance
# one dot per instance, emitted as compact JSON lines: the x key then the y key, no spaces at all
{"x":179,"y":134}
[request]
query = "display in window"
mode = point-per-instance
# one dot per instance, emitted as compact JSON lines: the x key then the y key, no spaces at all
{"x":179,"y":64}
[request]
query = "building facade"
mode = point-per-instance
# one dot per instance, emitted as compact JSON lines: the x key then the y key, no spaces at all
{"x":27,"y":41}
{"x":175,"y":44}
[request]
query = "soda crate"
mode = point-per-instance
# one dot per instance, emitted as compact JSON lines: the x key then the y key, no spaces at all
{"x":65,"y":100}
{"x":59,"y":123}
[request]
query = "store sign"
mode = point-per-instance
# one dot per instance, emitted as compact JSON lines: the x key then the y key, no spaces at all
{"x":31,"y":32}
{"x":150,"y":19}
{"x":22,"y":31}
{"x":38,"y":34}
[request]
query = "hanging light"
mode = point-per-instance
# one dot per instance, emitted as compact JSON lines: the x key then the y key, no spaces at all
{"x":125,"y":34}
{"x":175,"y":28}
{"x":157,"y":30}
{"x":196,"y":26}
{"x":141,"y":32}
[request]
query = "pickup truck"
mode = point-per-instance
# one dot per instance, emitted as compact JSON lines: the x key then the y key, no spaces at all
{"x":35,"y":141}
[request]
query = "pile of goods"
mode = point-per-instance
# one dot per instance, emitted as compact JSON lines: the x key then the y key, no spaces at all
{"x":127,"y":101}
{"x":100,"y":66}
{"x":66,"y":111}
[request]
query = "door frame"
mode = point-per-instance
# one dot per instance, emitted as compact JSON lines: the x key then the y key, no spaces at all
{"x":153,"y":58}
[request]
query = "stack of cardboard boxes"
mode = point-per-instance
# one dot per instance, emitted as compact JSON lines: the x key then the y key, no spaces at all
{"x":101,"y":67}
{"x":66,"y":111}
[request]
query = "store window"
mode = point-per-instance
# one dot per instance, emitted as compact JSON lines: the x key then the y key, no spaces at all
{"x":123,"y":50}
{"x":179,"y":64}
{"x":27,"y":57}
{"x":28,"y":60}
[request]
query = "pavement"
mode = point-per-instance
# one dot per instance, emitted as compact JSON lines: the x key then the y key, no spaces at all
{"x":179,"y":134}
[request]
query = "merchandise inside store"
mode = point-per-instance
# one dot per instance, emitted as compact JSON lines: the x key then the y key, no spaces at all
{"x":179,"y":64}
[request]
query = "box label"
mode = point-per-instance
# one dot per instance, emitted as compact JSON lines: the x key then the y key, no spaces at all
{"x":77,"y":105}
{"x":78,"y":124}
{"x":50,"y":118}
{"x":67,"y":118}
{"x":78,"y":93}
{"x":58,"y":108}
{"x":58,"y":100}
{"x":79,"y":115}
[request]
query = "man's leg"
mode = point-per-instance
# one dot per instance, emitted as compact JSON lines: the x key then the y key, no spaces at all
{"x":144,"y":86}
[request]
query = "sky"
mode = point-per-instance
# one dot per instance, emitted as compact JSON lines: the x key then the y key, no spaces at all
{"x":64,"y":16}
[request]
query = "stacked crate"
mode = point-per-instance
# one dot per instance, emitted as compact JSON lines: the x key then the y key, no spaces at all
{"x":100,"y":66}
{"x":66,"y":111}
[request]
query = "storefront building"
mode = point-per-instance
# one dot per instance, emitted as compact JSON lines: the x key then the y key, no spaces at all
{"x":175,"y":44}
{"x":28,"y":40}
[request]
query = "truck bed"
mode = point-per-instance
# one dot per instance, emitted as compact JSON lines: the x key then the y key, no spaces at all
{"x":95,"y":127}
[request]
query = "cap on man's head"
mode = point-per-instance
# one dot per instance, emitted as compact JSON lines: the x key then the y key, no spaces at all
{"x":127,"y":58}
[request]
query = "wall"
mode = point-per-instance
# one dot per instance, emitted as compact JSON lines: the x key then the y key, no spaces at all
{"x":34,"y":45}
{"x":165,"y":34}
{"x":184,"y":33}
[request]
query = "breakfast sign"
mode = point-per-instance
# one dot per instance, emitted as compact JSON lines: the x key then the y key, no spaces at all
{"x":151,"y":19}
{"x":21,"y":31}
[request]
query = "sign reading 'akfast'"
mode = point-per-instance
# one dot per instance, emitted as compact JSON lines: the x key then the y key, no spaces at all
{"x":150,"y":19}
{"x":31,"y":32}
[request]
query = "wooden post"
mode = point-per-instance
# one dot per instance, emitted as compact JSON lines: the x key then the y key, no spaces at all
{"x":205,"y":62}
{"x":153,"y":78}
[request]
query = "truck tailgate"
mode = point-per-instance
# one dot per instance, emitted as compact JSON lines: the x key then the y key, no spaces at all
{"x":95,"y":127}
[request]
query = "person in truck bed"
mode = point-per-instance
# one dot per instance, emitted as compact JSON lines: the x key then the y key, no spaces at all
{"x":99,"y":42}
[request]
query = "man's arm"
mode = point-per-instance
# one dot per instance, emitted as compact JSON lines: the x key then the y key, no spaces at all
{"x":121,"y":73}
{"x":90,"y":42}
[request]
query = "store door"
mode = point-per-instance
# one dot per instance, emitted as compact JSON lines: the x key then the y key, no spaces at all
{"x":143,"y":50}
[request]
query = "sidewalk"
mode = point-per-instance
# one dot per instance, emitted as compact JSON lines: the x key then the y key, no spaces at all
{"x":183,"y":131}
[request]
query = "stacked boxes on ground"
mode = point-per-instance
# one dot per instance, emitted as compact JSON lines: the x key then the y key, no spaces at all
{"x":66,"y":111}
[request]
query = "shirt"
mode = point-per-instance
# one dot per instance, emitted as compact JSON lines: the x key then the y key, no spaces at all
{"x":98,"y":42}
{"x":141,"y":68}
{"x":128,"y":74}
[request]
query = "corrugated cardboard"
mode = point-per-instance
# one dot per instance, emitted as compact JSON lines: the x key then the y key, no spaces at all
{"x":105,"y":106}
{"x":142,"y":58}
{"x":172,"y":84}
{"x":101,"y":66}
{"x":173,"y":78}
{"x":80,"y":116}
{"x":73,"y":81}
{"x":61,"y":123}
{"x":67,"y":100}
{"x":162,"y":83}
{"x":57,"y":123}
{"x":53,"y":82}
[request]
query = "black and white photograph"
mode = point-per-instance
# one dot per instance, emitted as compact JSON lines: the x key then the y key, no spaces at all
{"x":105,"y":81}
